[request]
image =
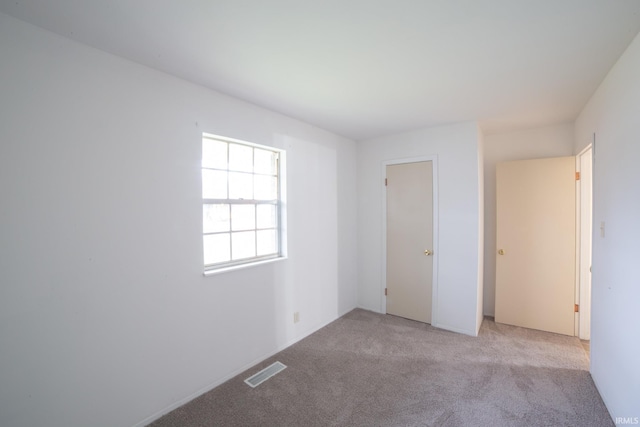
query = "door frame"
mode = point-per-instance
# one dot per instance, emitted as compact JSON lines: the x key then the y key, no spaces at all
{"x":434,"y":280}
{"x":583,"y":249}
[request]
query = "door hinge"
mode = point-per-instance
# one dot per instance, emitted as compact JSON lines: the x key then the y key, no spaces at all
{"x":385,"y":182}
{"x":577,"y":176}
{"x":385,"y":292}
{"x":576,"y":308}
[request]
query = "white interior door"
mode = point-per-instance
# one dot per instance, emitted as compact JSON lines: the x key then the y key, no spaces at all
{"x":410,"y":240}
{"x":536,"y":241}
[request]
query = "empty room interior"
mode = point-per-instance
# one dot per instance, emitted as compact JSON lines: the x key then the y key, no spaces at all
{"x":435,"y":197}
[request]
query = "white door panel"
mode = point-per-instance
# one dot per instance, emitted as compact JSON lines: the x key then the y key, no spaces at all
{"x":409,"y":237}
{"x":535,"y":265}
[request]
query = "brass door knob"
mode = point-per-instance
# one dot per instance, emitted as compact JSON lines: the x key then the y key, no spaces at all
{"x":427,"y":252}
{"x":501,"y":252}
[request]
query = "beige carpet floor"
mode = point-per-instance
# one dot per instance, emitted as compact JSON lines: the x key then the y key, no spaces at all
{"x":369,"y":369}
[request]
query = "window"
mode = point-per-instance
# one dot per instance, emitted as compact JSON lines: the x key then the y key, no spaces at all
{"x":241,"y":202}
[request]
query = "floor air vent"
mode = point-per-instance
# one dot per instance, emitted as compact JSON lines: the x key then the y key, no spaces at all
{"x":265,"y":374}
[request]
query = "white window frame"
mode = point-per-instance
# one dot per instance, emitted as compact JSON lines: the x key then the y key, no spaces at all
{"x":279,"y":203}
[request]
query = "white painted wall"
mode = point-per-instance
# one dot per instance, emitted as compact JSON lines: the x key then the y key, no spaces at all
{"x":105,"y":316}
{"x":457,"y":151}
{"x":553,"y":141}
{"x":613,"y":115}
{"x":480,"y":288}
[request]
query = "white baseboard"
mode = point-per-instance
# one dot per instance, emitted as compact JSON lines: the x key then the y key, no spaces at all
{"x":454,"y":329}
{"x":226,"y":378}
{"x":372,"y":309}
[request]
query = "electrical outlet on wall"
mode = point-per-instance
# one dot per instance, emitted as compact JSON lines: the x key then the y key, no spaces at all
{"x":296,"y":317}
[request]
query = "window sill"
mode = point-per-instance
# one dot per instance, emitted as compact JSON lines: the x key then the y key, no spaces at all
{"x":242,"y":266}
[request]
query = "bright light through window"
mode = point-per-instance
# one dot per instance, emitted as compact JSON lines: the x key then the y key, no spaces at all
{"x":242,"y":204}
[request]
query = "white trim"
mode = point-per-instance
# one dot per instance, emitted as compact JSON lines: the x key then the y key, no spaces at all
{"x":236,"y":267}
{"x":240,"y":141}
{"x":583,"y":255}
{"x":585,"y":149}
{"x":578,"y":228}
{"x":434,"y":282}
{"x":469,"y":332}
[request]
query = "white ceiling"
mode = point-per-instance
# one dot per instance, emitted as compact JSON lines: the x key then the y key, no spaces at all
{"x":364,"y":68}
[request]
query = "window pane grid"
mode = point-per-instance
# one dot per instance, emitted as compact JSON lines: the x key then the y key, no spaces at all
{"x":241,"y":201}
{"x":248,"y":245}
{"x":216,"y":182}
{"x":211,"y":233}
{"x":275,"y":175}
{"x":242,"y":220}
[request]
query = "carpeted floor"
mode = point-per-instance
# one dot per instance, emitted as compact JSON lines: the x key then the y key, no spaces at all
{"x":369,"y":369}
